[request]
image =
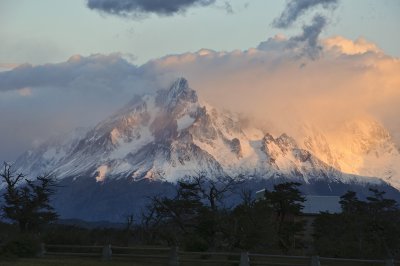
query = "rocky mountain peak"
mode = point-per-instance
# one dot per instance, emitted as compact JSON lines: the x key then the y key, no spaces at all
{"x":180,"y":92}
{"x":169,"y":134}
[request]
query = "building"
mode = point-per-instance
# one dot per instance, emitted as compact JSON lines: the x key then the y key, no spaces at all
{"x":313,"y":206}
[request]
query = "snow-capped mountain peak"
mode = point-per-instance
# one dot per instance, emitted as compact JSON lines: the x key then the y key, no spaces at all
{"x":170,"y":134}
{"x":180,"y":92}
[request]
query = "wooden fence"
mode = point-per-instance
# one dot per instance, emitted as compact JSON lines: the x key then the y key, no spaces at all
{"x":174,"y":257}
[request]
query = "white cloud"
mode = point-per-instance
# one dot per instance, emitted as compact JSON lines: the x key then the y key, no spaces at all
{"x":7,"y":66}
{"x":352,"y":78}
{"x":25,"y":91}
{"x":346,"y":46}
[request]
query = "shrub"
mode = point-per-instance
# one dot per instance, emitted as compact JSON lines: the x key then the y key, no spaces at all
{"x":22,"y":246}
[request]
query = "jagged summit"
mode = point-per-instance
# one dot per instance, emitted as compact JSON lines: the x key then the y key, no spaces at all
{"x":180,"y":91}
{"x":169,"y":134}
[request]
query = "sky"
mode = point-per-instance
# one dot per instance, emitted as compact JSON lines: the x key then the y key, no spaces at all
{"x":49,"y":31}
{"x":72,"y":63}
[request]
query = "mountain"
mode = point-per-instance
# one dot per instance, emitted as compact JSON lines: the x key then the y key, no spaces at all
{"x":363,"y":147}
{"x":158,"y":138}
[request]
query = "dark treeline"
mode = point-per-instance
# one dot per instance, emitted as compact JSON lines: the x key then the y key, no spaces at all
{"x":274,"y":223}
{"x":364,"y":229}
{"x":197,"y":218}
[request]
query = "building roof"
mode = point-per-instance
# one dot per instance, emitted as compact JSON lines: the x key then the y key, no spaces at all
{"x":315,"y":204}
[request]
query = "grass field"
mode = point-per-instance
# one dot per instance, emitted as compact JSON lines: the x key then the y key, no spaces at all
{"x":49,"y":261}
{"x":184,"y":261}
{"x":67,"y":262}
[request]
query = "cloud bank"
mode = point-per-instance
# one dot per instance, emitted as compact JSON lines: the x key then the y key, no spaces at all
{"x":271,"y":83}
{"x":126,"y":8}
{"x":351,"y":79}
{"x":37,"y":102}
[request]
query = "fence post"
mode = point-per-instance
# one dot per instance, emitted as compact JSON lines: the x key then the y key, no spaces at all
{"x":173,"y":257}
{"x":244,"y":259}
{"x":389,"y":262}
{"x":315,"y":261}
{"x":42,"y":250}
{"x":107,"y":252}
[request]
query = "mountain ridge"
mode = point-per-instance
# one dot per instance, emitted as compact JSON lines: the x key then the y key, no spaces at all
{"x":170,"y":134}
{"x":140,"y":151}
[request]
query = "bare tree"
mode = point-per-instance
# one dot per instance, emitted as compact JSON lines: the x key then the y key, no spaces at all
{"x":215,"y":190}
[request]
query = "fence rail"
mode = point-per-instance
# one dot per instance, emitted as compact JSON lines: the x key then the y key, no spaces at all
{"x":174,"y":257}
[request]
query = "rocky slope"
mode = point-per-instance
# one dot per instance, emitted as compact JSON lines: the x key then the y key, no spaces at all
{"x":110,"y":170}
{"x":170,"y":134}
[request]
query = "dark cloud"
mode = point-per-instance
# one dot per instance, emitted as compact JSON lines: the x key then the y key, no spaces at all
{"x":76,"y":73}
{"x":309,"y":37}
{"x":308,"y":40}
{"x":228,"y":8}
{"x":37,"y":102}
{"x":294,"y":9}
{"x":134,"y":7}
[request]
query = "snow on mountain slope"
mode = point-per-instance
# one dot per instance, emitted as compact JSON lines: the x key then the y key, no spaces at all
{"x":46,"y":157}
{"x":363,"y":147}
{"x":170,"y":134}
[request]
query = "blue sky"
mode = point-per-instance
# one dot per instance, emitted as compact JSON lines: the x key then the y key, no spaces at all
{"x":45,"y":31}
